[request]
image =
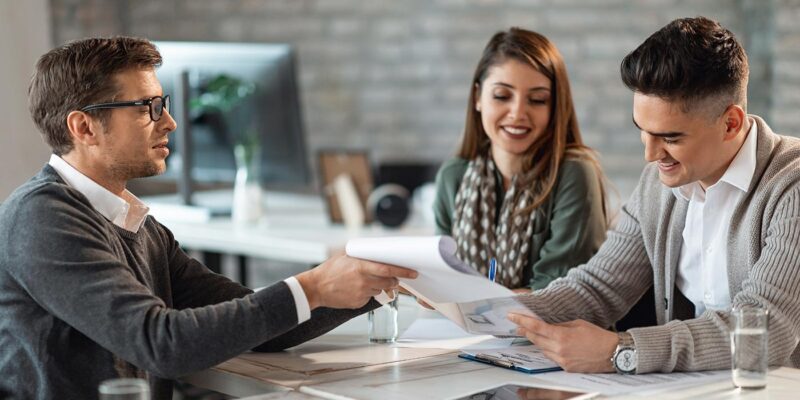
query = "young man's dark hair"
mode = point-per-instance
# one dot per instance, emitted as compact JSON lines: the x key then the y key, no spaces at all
{"x":76,"y":75}
{"x":709,"y":64}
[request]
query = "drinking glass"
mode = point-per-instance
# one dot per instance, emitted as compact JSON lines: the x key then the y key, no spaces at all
{"x":749,"y":339}
{"x":383,"y":323}
{"x":124,"y":389}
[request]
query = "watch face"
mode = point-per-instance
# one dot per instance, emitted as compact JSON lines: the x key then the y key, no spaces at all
{"x":625,"y":360}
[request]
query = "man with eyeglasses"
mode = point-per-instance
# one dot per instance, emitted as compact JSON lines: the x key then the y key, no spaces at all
{"x":92,"y":288}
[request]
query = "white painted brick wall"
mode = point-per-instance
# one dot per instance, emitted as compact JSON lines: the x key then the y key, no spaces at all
{"x":394,"y":75}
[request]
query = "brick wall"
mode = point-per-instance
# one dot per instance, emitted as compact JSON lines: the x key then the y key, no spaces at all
{"x":786,"y":99}
{"x":393,"y":76}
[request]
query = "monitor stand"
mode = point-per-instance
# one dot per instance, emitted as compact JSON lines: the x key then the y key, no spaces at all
{"x":186,"y":185}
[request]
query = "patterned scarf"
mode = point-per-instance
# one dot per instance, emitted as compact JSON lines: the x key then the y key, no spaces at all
{"x":474,"y":229}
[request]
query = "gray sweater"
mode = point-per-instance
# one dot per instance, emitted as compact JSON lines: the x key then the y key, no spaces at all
{"x":82,"y":301}
{"x":644,"y":248}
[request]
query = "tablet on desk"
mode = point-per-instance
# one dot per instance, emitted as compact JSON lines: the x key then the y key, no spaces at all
{"x":522,"y":392}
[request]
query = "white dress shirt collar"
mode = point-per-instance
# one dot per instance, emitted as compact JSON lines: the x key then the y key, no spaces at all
{"x":739,"y":173}
{"x":127,"y":212}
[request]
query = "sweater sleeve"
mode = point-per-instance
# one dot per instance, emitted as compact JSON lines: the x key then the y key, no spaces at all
{"x":773,"y":282}
{"x":577,"y":223}
{"x":62,"y":258}
{"x":194,"y":285}
{"x":602,"y":290}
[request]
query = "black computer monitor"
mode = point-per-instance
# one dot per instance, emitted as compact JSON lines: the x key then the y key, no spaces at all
{"x":272,"y":111}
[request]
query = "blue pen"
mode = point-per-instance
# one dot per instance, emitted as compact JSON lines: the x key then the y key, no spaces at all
{"x":492,"y":269}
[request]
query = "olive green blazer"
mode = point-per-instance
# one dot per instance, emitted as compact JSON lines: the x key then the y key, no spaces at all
{"x":569,"y":226}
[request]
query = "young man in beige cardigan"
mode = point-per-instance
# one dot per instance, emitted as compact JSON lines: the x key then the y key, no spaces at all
{"x":713,"y":224}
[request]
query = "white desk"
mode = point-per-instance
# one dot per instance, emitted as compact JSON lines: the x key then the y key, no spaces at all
{"x":344,"y":363}
{"x":295,"y":228}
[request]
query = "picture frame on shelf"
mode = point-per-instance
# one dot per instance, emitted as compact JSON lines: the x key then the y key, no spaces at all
{"x":354,"y":164}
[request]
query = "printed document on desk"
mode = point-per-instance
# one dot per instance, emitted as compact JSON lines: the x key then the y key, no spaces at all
{"x":642,"y":385}
{"x":452,"y":287}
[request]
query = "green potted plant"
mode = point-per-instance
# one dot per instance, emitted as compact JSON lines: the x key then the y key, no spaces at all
{"x":224,"y":97}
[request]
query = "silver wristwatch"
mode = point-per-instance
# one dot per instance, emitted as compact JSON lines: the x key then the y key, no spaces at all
{"x":624,"y":358}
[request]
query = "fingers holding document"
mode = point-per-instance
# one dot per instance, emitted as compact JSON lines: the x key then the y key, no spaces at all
{"x":346,"y":282}
{"x":576,"y":346}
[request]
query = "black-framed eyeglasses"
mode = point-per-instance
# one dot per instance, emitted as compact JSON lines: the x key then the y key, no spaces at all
{"x":157,"y":105}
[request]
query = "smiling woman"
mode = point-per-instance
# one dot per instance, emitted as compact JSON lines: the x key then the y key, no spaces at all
{"x":524,"y":189}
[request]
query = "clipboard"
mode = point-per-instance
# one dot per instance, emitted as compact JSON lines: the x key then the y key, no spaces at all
{"x":504,"y":363}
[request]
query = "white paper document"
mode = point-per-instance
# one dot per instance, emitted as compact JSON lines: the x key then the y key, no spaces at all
{"x":440,"y":333}
{"x":443,"y":278}
{"x":490,"y":315}
{"x":452,"y":287}
{"x":644,"y":384}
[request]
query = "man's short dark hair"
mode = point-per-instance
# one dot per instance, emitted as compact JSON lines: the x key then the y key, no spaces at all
{"x":690,"y":60}
{"x":78,"y":74}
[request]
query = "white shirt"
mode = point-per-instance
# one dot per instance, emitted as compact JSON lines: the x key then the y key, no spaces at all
{"x":129,"y":213}
{"x":703,"y":266}
{"x":126,"y":212}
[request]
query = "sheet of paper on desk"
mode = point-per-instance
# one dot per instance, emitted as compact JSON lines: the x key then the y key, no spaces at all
{"x":440,"y":333}
{"x":645,"y":384}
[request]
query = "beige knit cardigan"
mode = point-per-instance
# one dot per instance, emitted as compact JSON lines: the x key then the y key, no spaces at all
{"x":644,"y":248}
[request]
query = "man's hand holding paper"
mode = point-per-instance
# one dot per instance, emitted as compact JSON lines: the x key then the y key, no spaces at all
{"x":451,"y":287}
{"x":576,"y":346}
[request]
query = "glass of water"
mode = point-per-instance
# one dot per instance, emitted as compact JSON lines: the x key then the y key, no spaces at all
{"x":383,"y":323}
{"x":124,"y":389}
{"x":749,"y":339}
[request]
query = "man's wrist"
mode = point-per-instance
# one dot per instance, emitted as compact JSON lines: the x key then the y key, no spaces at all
{"x":308,"y":283}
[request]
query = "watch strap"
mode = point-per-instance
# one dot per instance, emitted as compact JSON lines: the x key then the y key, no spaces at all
{"x":625,"y":340}
{"x":625,"y":343}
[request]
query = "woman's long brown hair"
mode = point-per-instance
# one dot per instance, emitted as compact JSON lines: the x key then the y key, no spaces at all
{"x":562,"y":136}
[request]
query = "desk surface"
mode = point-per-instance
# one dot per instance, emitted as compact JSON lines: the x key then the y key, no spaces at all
{"x":344,"y":363}
{"x":295,"y":228}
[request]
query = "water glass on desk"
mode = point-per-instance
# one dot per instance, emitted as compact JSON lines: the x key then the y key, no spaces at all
{"x":124,"y":389}
{"x":749,"y":340}
{"x":383,"y":322}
